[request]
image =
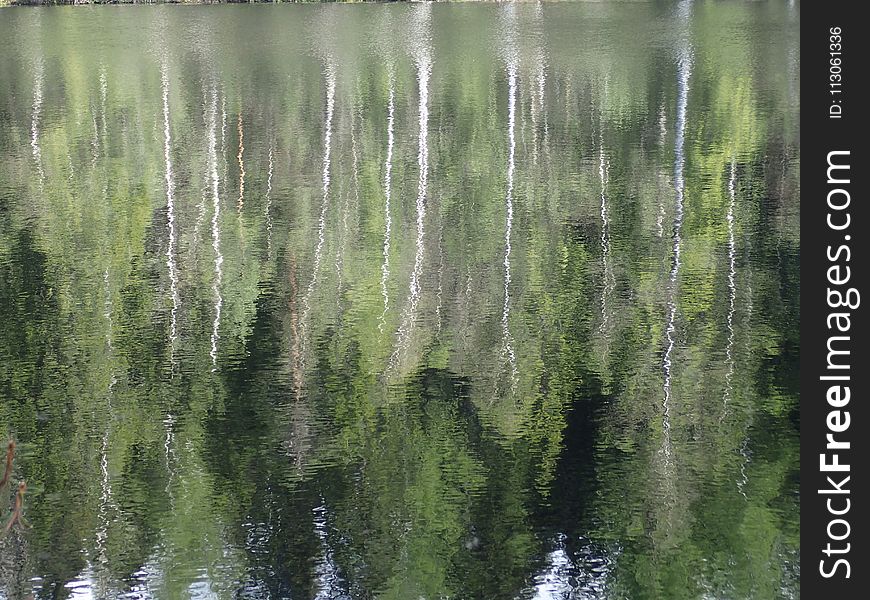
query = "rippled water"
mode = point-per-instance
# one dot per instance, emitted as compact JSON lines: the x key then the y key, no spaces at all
{"x":400,"y":301}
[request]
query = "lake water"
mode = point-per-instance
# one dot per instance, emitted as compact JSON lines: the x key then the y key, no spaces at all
{"x":484,"y":301}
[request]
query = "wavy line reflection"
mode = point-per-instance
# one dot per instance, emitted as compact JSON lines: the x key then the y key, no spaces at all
{"x":170,"y":208}
{"x":36,"y":118}
{"x":732,"y":288}
{"x":423,"y":63}
{"x":324,"y":203}
{"x":606,"y":263}
{"x":241,"y":158}
{"x":684,"y":71}
{"x":507,"y":339}
{"x":268,"y":209}
{"x":510,"y":54}
{"x":215,"y":226}
{"x":388,"y":191}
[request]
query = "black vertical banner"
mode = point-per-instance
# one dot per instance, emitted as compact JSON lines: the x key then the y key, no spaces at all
{"x":834,"y":230}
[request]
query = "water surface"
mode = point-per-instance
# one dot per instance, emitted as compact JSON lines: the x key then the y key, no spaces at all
{"x":401,"y":301}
